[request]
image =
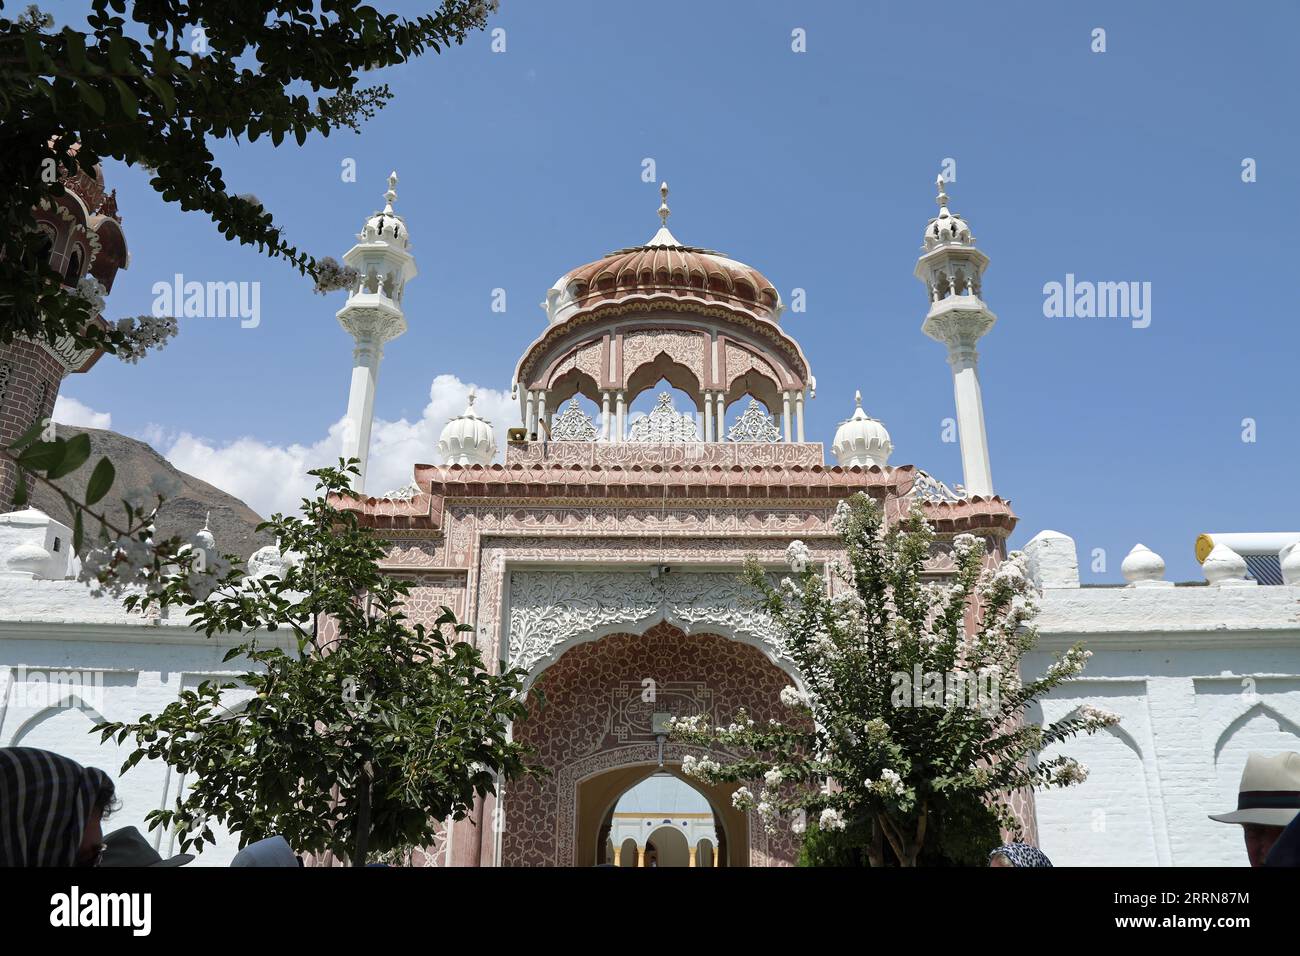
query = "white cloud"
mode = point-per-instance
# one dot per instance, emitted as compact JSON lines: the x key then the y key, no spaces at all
{"x":271,"y":478}
{"x":69,"y":411}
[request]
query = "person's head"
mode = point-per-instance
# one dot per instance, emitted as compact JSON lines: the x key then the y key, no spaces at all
{"x":1018,"y":854}
{"x":1259,"y":841}
{"x":1267,"y":800}
{"x":104,"y":803}
{"x":273,"y":851}
{"x":51,"y":809}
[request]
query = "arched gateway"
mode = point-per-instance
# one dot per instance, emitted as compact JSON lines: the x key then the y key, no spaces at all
{"x":604,"y":555}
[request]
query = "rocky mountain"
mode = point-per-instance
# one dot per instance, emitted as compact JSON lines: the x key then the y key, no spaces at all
{"x":142,"y":474}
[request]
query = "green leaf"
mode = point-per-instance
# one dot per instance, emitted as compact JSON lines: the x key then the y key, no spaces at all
{"x":77,"y":450}
{"x":43,"y":455}
{"x":130,"y":104}
{"x":89,"y":95}
{"x":78,"y":532}
{"x":101,"y":479}
{"x":29,"y":436}
{"x":20,"y":490}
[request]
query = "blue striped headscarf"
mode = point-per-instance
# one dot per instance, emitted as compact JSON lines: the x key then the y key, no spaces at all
{"x":45,"y":801}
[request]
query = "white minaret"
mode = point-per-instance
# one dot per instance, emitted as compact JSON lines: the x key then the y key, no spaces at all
{"x":373,"y":315}
{"x":951,"y":268}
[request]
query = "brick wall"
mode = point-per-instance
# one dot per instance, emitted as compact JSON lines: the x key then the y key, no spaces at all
{"x":30,"y":377}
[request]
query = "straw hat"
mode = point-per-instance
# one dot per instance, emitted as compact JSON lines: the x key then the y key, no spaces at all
{"x":1270,"y":791}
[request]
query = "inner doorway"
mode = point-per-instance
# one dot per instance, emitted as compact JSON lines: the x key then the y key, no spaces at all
{"x":647,"y":816}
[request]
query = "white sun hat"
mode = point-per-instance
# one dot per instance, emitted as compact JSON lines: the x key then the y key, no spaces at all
{"x":1270,"y":791}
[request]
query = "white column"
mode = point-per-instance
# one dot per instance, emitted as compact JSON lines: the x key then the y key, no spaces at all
{"x":604,"y":415}
{"x":620,"y":424}
{"x":798,"y":412}
{"x":976,"y":471}
{"x":530,"y":420}
{"x":361,"y":405}
{"x":708,"y":416}
{"x":785,"y":414}
{"x":543,"y":423}
{"x":720,"y":422}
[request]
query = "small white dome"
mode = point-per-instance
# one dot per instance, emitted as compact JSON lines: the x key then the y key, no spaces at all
{"x":204,"y":539}
{"x":28,"y":560}
{"x":467,"y":439}
{"x":1142,"y":566}
{"x":861,"y":441}
{"x":267,"y":561}
{"x":387,"y":225}
{"x":1224,"y":566}
{"x":947,"y":227}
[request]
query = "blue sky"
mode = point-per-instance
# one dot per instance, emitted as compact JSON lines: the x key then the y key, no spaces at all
{"x":816,"y":168}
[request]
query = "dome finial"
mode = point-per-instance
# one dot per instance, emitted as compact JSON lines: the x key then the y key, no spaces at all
{"x":942,"y":199}
{"x":664,"y":211}
{"x":857,"y":397}
{"x":470,"y":407}
{"x":391,"y":196}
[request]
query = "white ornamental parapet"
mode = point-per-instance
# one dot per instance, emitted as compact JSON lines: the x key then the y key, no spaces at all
{"x":1225,"y":568}
{"x":1289,"y":559}
{"x":1052,"y":561}
{"x":1143,"y":568}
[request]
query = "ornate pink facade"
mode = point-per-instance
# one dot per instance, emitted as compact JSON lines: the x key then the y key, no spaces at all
{"x":604,"y":554}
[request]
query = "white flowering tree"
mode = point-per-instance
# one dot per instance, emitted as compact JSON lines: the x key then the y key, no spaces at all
{"x":911,"y":722}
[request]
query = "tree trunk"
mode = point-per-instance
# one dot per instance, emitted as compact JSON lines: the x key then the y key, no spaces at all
{"x":363,"y":816}
{"x":876,"y":849}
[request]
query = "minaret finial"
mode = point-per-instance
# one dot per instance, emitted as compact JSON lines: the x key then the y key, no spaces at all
{"x":942,"y":199}
{"x":207,"y":520}
{"x":391,"y":196}
{"x":857,"y":398}
{"x":664,"y":211}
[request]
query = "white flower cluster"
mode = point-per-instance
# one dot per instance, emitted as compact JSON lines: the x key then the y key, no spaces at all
{"x":742,"y":799}
{"x":773,"y":777}
{"x":1097,"y":717}
{"x":1071,"y":663}
{"x":964,"y":544}
{"x":798,"y":822}
{"x":890,"y":784}
{"x":144,"y":332}
{"x":840,"y":520}
{"x":330,"y":276}
{"x":876,"y":730}
{"x":831,"y":819}
{"x":694,"y":724}
{"x":793,"y":697}
{"x":125,"y":565}
{"x":92,"y":292}
{"x":699,"y":769}
{"x":824,"y":645}
{"x":767,"y":811}
{"x":1068,"y":773}
{"x":798,"y":557}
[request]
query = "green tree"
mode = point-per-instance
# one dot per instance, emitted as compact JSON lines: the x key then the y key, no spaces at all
{"x":910,"y":731}
{"x":363,"y":737}
{"x":155,"y":84}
